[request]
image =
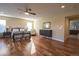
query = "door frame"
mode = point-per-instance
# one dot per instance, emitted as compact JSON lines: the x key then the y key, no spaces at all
{"x":67,"y":23}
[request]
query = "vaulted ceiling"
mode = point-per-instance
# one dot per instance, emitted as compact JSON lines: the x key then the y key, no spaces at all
{"x":41,"y":9}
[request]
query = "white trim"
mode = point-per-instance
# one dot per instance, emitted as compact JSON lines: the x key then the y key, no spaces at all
{"x":57,"y":39}
{"x":46,"y":36}
{"x":53,"y":38}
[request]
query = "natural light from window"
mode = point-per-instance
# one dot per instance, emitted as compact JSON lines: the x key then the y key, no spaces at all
{"x":2,"y":26}
{"x":29,"y":26}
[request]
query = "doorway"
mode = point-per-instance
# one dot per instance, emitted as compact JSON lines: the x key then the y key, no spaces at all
{"x":71,"y":29}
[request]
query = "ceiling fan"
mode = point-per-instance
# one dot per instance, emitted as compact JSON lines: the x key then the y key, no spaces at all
{"x":27,"y":11}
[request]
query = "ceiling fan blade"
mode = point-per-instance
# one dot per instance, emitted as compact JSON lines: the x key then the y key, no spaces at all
{"x":30,"y":9}
{"x":32,"y":13}
{"x":27,"y":10}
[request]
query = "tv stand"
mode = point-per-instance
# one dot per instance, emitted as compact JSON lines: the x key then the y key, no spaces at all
{"x":46,"y":33}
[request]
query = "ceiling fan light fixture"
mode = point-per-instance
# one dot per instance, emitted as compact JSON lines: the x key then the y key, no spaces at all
{"x":26,"y":13}
{"x":62,"y":6}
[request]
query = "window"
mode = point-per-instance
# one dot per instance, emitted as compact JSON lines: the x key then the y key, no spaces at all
{"x":2,"y":26}
{"x":29,"y":26}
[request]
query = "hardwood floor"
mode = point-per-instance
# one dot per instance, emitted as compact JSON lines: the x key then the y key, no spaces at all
{"x":39,"y":46}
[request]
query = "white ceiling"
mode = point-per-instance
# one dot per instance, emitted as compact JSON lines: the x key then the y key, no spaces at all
{"x":42,"y":10}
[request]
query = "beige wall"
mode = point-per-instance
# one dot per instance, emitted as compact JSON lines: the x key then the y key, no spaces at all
{"x":14,"y":22}
{"x":57,"y":24}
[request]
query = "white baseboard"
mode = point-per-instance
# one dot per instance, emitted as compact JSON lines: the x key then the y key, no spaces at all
{"x":46,"y":36}
{"x":57,"y":39}
{"x":53,"y":38}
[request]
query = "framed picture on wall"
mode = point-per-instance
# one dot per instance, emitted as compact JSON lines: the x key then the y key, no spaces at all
{"x":47,"y":25}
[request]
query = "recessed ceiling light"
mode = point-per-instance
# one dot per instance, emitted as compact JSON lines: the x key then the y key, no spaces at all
{"x":62,"y":6}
